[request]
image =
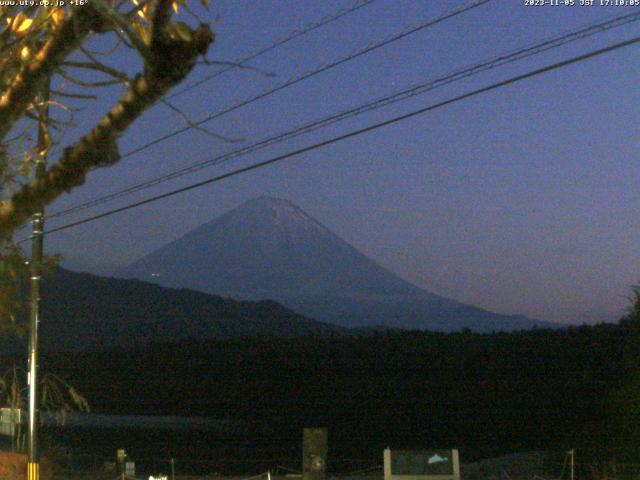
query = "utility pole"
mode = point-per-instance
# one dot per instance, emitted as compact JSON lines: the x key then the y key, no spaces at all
{"x":572,"y":453}
{"x":44,"y":142}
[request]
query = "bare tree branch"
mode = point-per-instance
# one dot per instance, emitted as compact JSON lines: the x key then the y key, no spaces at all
{"x":82,"y":83}
{"x":197,"y":127}
{"x":125,"y":25}
{"x":29,"y":81}
{"x":172,"y":60}
{"x":81,"y":96}
{"x":99,"y":67}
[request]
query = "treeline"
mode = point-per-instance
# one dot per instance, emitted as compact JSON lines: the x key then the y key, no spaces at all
{"x":486,"y":394}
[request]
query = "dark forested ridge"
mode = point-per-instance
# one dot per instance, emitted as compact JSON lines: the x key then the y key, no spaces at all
{"x":83,"y":311}
{"x":485,"y":393}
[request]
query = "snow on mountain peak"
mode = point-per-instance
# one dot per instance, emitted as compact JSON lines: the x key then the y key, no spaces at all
{"x":280,"y":213}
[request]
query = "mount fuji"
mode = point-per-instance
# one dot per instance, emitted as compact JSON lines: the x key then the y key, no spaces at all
{"x":268,"y":248}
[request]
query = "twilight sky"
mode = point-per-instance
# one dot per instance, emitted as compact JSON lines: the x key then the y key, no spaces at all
{"x":521,"y":200}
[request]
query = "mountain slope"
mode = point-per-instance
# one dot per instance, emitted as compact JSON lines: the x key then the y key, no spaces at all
{"x":83,"y":310}
{"x":270,"y":248}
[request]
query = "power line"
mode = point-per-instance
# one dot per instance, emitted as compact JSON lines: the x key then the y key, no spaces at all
{"x":289,"y":83}
{"x":404,"y":94}
{"x":294,"y":153}
{"x":292,"y":36}
{"x":306,"y":76}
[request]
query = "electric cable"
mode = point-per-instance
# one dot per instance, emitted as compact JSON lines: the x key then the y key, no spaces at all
{"x":354,"y":133}
{"x":292,"y":36}
{"x":310,"y":74}
{"x":404,"y":94}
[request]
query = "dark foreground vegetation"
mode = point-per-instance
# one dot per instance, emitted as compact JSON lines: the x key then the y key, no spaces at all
{"x":485,"y":394}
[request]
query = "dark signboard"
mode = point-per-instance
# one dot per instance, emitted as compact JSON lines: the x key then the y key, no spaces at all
{"x":314,"y":454}
{"x":424,"y":462}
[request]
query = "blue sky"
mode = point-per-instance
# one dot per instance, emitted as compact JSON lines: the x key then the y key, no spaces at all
{"x":521,"y":200}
